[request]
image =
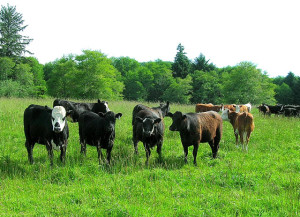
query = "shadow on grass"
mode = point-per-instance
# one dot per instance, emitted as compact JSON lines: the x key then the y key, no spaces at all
{"x":11,"y":168}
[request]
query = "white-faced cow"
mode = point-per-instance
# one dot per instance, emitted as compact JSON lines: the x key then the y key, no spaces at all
{"x":195,"y":128}
{"x":48,"y":127}
{"x":242,"y":123}
{"x":77,"y":108}
{"x":98,"y":130}
{"x":149,"y":129}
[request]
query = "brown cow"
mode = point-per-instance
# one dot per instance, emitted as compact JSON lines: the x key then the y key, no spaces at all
{"x":243,"y":125}
{"x":242,"y":108}
{"x":207,"y":107}
{"x":230,"y":107}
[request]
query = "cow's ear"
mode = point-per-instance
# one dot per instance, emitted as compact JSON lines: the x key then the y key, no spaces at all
{"x":99,"y":101}
{"x":170,"y":114}
{"x":139,"y":119}
{"x":119,"y":115}
{"x":101,"y":114}
{"x":70,"y":112}
{"x":106,"y":102}
{"x":157,"y":120}
{"x":183,"y":117}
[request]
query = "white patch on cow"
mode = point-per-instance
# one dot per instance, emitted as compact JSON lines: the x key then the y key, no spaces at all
{"x":152,"y":127}
{"x":224,"y":115}
{"x":106,"y":105}
{"x":58,"y":116}
{"x":248,"y":105}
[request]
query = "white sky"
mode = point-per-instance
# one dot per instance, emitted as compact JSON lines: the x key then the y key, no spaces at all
{"x":265,"y":32}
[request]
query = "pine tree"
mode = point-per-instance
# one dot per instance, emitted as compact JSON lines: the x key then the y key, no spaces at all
{"x":182,"y":65}
{"x":12,"y":43}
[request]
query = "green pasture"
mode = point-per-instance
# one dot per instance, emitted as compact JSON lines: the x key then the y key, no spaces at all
{"x":265,"y":181}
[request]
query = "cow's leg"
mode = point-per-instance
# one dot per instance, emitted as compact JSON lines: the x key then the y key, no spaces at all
{"x":195,"y":151}
{"x":83,"y":147}
{"x":247,"y":139}
{"x":242,"y":139}
{"x":100,"y":156}
{"x":158,"y":150}
{"x":135,"y":141}
{"x":186,"y":151}
{"x":108,"y":155}
{"x":148,"y":153}
{"x":63,"y":150}
{"x":50,"y":152}
{"x":236,"y":133}
{"x":29,"y":147}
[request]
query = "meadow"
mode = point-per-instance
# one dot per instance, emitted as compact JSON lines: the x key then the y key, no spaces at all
{"x":265,"y":181}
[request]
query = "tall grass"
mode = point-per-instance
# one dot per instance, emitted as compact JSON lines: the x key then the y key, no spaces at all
{"x":265,"y":181}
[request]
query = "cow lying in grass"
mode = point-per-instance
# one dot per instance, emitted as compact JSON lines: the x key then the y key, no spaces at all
{"x":98,"y":130}
{"x":243,"y":125}
{"x":195,"y":128}
{"x":44,"y":125}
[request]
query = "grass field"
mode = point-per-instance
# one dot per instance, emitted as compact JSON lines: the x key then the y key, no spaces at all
{"x":265,"y":181}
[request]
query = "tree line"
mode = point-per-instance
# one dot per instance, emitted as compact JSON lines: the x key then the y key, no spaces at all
{"x":92,"y":75}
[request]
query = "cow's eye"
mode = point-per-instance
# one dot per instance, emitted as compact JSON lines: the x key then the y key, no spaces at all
{"x":64,"y":119}
{"x":53,"y":118}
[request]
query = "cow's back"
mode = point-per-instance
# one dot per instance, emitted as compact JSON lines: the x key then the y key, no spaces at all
{"x":211,"y":124}
{"x":37,"y":122}
{"x":245,"y":122}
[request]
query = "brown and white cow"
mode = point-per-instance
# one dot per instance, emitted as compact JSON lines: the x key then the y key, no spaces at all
{"x":243,"y":125}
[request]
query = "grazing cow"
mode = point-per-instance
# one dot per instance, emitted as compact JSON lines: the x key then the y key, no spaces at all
{"x":78,"y":108}
{"x":264,"y":110}
{"x":44,"y":125}
{"x":162,"y":110}
{"x":149,"y":129}
{"x":98,"y":130}
{"x":290,"y":112}
{"x":207,"y":107}
{"x":243,"y":125}
{"x":195,"y":128}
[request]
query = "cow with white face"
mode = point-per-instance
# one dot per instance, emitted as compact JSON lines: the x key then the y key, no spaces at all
{"x":48,"y":127}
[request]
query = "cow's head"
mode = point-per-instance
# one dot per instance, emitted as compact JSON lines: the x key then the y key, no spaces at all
{"x":180,"y":121}
{"x":148,"y":125}
{"x":165,"y":108}
{"x":110,"y":120}
{"x":58,"y":118}
{"x":101,"y":106}
{"x":224,"y":115}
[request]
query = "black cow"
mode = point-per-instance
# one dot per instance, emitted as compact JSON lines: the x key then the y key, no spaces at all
{"x":149,"y":129}
{"x":98,"y":130}
{"x":43,"y":125}
{"x":78,"y":108}
{"x":275,"y":109}
{"x":195,"y":128}
{"x":264,"y":109}
{"x":290,"y":111}
{"x":161,"y":111}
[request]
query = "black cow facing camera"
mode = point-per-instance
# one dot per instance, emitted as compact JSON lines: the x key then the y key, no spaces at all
{"x":148,"y":128}
{"x":48,"y":127}
{"x":195,"y":128}
{"x":98,"y":130}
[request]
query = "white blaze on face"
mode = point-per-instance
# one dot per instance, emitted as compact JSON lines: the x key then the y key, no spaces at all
{"x":224,"y":115}
{"x":58,"y":118}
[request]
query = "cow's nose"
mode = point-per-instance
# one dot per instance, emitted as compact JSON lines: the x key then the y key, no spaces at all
{"x":56,"y":125}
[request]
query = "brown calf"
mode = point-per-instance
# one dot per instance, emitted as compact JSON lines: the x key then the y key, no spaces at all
{"x":243,"y":125}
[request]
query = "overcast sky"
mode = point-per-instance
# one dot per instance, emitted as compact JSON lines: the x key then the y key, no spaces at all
{"x":265,"y":32}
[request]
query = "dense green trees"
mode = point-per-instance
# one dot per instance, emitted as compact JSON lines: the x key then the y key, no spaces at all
{"x":92,"y":75}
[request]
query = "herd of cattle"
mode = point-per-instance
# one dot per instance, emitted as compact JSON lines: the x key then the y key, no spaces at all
{"x":49,"y":127}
